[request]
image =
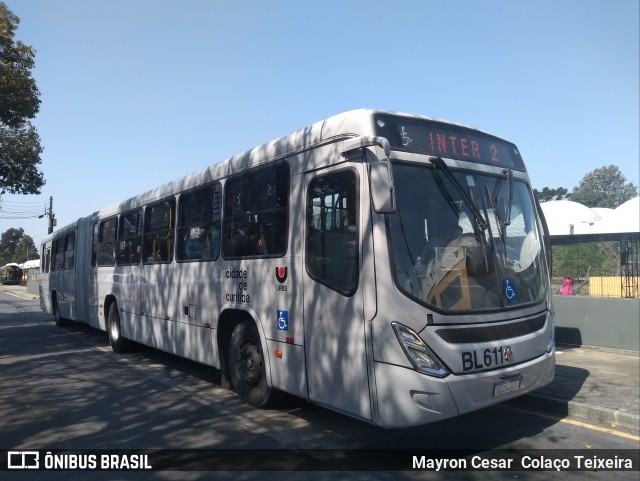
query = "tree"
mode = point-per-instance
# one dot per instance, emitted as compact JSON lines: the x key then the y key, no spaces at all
{"x":548,"y":194}
{"x":25,"y":250}
{"x":576,"y":260}
{"x":8,"y":244}
{"x":604,"y":187}
{"x":19,"y":102}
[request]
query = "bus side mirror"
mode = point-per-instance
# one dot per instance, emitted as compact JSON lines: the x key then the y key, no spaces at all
{"x":380,"y":170}
{"x":382,"y":190}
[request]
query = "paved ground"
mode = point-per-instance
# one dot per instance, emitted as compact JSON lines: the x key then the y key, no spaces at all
{"x":600,"y":385}
{"x":597,"y":384}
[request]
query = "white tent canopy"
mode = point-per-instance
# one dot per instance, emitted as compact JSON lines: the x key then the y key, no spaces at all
{"x":565,"y":217}
{"x":30,"y":264}
{"x":625,"y":218}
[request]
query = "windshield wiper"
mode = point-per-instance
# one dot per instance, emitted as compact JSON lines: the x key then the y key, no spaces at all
{"x":440,"y":164}
{"x":507,"y":220}
{"x":480,"y":221}
{"x":500,"y":224}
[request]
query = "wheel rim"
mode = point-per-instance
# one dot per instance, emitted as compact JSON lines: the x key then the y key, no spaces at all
{"x":114,"y":330}
{"x":250,"y":362}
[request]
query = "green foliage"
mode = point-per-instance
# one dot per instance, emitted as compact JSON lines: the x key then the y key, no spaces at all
{"x":17,"y":247}
{"x":8,"y":244}
{"x":25,"y":250}
{"x":604,"y":187}
{"x":19,"y":102}
{"x":548,"y":194}
{"x":576,"y":260}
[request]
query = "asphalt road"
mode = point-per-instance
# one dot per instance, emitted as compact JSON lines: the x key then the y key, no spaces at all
{"x":63,"y":388}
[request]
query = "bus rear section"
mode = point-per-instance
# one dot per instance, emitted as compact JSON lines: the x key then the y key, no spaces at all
{"x":58,"y":274}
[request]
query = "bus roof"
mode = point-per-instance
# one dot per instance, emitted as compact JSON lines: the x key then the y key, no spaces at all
{"x":345,"y":125}
{"x":342,"y":126}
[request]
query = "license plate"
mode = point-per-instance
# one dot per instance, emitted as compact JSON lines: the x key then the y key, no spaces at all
{"x":483,"y":359}
{"x":506,"y":386}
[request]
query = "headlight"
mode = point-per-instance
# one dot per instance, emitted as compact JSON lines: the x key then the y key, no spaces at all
{"x":422,"y":358}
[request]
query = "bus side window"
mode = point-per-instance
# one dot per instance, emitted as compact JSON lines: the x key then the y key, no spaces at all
{"x":107,"y":242}
{"x":129,"y":234}
{"x":332,"y":234}
{"x":45,"y":259}
{"x":158,"y":232}
{"x":199,"y":224}
{"x":59,"y":251}
{"x":256,"y":213}
{"x":69,"y":254}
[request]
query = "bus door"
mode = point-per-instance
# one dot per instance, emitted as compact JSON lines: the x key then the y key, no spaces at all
{"x":334,"y":310}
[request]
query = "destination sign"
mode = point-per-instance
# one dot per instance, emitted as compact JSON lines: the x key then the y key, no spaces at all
{"x":445,"y":140}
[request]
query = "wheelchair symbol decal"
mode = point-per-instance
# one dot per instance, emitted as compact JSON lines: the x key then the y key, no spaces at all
{"x":406,"y":140}
{"x":283,"y":320}
{"x":509,"y":290}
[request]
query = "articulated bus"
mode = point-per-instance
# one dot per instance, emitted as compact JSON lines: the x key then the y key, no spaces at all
{"x":391,"y":267}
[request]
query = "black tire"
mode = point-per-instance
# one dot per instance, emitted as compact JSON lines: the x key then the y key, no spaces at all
{"x":114,"y":330}
{"x":247,"y":369}
{"x":60,"y":321}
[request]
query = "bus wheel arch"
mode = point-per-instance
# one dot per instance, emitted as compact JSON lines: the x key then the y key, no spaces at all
{"x":244,"y":360}
{"x":226,"y":324}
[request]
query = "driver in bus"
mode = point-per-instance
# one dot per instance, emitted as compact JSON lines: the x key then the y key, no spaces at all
{"x":448,"y":230}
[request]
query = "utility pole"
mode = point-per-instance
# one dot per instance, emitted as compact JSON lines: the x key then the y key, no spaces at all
{"x":51,"y":216}
{"x":49,"y":213}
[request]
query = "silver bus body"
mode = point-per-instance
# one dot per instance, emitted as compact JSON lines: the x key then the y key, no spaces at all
{"x":351,"y":311}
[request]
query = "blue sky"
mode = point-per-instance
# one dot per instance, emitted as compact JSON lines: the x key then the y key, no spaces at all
{"x":139,"y":93}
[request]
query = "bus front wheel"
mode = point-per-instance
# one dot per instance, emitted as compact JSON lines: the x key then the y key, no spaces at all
{"x":246,"y":366}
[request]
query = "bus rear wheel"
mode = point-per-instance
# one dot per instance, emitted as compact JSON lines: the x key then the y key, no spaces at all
{"x":116,"y":340}
{"x":246,"y":367}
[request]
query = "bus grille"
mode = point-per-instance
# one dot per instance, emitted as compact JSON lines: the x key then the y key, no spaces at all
{"x":466,"y":335}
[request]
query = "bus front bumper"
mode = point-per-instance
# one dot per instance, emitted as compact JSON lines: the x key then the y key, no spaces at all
{"x":408,"y":398}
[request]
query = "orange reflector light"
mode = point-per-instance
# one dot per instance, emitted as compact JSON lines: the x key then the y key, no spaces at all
{"x":278,"y":353}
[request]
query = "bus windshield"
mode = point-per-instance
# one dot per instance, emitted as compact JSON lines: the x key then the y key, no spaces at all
{"x":465,"y":241}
